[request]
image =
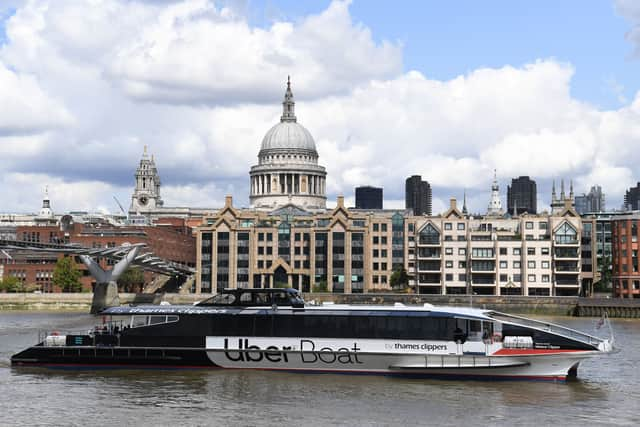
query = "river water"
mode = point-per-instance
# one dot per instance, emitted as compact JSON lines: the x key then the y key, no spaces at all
{"x":606,"y":392}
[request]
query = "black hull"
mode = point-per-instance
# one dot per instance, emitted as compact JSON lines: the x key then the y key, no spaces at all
{"x":122,"y":357}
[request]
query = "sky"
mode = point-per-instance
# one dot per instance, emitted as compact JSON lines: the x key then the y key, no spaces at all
{"x":448,"y":90}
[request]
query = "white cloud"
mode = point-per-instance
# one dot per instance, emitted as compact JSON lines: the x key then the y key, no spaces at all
{"x":25,"y":107}
{"x":209,"y":75}
{"x":193,"y":52}
{"x":630,"y":9}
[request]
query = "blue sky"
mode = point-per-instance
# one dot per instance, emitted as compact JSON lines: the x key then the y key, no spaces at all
{"x":450,"y":90}
{"x":444,"y":39}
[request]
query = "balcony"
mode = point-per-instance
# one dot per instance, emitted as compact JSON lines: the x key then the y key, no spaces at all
{"x":567,"y":282}
{"x":429,"y":266}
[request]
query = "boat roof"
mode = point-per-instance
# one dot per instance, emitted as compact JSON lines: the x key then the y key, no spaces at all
{"x":335,"y":309}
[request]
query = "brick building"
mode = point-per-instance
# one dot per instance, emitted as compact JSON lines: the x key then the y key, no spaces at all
{"x":170,"y":239}
{"x":624,"y":245}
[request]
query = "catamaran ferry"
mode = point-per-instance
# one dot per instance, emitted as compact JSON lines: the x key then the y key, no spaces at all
{"x":273,"y":329}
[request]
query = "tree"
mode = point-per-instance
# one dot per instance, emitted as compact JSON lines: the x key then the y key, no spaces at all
{"x":399,"y":279}
{"x":11,"y":284}
{"x":605,"y":268}
{"x":320,"y":286}
{"x":66,"y":275}
{"x":131,"y":280}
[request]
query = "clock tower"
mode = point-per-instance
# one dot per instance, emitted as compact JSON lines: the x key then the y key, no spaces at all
{"x":146,"y":195}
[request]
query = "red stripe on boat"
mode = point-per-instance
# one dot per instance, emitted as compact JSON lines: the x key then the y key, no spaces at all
{"x":530,"y":351}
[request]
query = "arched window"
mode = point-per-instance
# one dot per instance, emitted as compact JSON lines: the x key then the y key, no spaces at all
{"x":566,"y":234}
{"x":429,"y":235}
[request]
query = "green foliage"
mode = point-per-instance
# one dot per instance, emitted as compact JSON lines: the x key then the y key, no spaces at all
{"x":280,"y":285}
{"x":606,"y":271}
{"x":11,"y":284}
{"x":66,"y":275}
{"x":399,"y":279}
{"x":320,"y":287}
{"x":132,"y":280}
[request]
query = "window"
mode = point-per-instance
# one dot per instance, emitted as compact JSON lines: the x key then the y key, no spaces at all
{"x":516,"y":264}
{"x":528,"y":225}
{"x":376,"y":226}
{"x":461,"y":226}
{"x":503,"y":278}
{"x":531,"y":251}
{"x":383,"y":227}
{"x":376,"y":240}
{"x":448,"y":277}
{"x":482,"y":252}
{"x":376,"y":253}
{"x":447,"y":226}
{"x":531,"y":278}
{"x":542,"y":225}
{"x":504,"y":264}
{"x":516,"y":251}
{"x":544,"y":251}
{"x":383,"y":265}
{"x":462,"y":251}
{"x":448,"y":264}
{"x":462,"y":264}
{"x":545,"y":278}
{"x":383,"y":240}
{"x":503,"y":251}
{"x":545,"y":264}
{"x":517,"y":278}
{"x":429,"y":235}
{"x":462,"y":277}
{"x":383,"y":253}
{"x":566,"y":234}
{"x":376,"y":266}
{"x":448,"y":251}
{"x":531,"y":264}
{"x":260,"y":237}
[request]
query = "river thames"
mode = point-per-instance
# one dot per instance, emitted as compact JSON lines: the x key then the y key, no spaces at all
{"x":606,"y":392}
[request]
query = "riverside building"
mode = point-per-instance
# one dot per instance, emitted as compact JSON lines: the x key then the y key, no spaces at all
{"x":289,"y":239}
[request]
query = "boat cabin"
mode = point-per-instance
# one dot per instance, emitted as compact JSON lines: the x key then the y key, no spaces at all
{"x":255,"y":298}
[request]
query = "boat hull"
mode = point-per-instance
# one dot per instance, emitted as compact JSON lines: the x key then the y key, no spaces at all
{"x":547,"y":366}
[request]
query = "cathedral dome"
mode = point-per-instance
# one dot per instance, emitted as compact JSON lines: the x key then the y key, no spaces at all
{"x":288,"y":135}
{"x":288,"y":171}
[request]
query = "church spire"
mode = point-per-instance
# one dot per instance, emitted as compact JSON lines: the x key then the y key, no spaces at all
{"x":288,"y":105}
{"x":464,"y":202}
{"x":495,"y":205}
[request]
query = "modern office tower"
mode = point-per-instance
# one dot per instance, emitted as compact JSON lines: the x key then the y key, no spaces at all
{"x":368,"y":197}
{"x":632,"y":198}
{"x":418,"y":195}
{"x":522,"y":196}
{"x":591,"y":202}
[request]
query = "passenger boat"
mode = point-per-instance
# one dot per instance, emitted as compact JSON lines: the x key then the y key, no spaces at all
{"x":273,"y":329}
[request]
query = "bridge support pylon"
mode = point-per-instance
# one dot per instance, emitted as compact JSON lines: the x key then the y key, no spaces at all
{"x":105,"y":292}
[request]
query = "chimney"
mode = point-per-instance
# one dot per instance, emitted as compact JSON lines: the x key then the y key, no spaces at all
{"x":228,"y":201}
{"x":340,"y":202}
{"x":452,"y":203}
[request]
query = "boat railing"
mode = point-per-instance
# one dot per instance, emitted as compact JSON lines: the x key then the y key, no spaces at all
{"x":548,"y":327}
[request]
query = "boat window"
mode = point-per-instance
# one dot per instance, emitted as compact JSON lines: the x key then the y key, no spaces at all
{"x":280,"y":298}
{"x":154,"y":320}
{"x":262,"y":298}
{"x":245,"y":298}
{"x":138,"y":321}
